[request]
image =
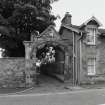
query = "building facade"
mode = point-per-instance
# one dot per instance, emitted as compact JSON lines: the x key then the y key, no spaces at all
{"x":88,"y":49}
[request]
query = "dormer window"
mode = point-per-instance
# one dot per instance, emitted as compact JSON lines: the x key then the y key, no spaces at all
{"x":91,"y":27}
{"x":91,"y":36}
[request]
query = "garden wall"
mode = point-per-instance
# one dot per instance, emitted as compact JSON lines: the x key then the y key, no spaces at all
{"x":12,"y":72}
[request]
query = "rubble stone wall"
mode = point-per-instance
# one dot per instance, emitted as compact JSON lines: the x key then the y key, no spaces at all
{"x":12,"y":72}
{"x":98,"y":52}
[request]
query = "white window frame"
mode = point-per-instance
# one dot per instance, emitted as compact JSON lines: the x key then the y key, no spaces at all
{"x":91,"y":68}
{"x":89,"y":34}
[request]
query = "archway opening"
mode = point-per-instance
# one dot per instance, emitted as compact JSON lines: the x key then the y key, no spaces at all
{"x":52,"y":61}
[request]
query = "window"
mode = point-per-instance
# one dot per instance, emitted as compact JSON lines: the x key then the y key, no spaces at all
{"x":91,"y":36}
{"x":91,"y":66}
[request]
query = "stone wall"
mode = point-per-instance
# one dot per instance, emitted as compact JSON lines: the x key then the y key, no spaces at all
{"x":98,"y":52}
{"x":101,"y":56}
{"x":67,"y":37}
{"x":77,"y":57}
{"x":12,"y":72}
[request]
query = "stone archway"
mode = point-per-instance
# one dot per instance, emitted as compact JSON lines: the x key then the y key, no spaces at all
{"x":31,"y":51}
{"x":49,"y":36}
{"x":65,"y":60}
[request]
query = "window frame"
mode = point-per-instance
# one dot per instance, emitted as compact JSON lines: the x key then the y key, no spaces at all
{"x":91,"y":32}
{"x":92,"y":65}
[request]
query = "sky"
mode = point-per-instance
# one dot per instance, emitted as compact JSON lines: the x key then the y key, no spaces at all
{"x":81,"y":10}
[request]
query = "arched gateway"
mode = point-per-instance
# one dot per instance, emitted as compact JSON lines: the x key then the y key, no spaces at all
{"x":35,"y":47}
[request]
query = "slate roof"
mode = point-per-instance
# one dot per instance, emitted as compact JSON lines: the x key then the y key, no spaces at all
{"x":75,"y":26}
{"x":80,"y":28}
{"x":101,"y":30}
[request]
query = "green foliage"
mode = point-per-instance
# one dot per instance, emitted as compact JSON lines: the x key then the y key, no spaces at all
{"x":18,"y":19}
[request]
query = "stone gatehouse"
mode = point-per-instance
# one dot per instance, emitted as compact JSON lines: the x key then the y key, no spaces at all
{"x":80,"y":50}
{"x":88,"y":49}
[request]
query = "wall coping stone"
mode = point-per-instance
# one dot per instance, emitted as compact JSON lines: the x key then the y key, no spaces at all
{"x":12,"y":58}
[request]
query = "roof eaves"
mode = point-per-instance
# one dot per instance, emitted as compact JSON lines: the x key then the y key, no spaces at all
{"x":71,"y":28}
{"x":92,"y":18}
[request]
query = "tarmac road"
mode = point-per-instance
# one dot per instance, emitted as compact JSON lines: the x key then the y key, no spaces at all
{"x":81,"y":97}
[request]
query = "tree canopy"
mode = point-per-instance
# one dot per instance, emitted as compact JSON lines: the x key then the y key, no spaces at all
{"x":18,"y":18}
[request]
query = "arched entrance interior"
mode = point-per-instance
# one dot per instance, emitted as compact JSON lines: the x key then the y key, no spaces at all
{"x":55,"y":67}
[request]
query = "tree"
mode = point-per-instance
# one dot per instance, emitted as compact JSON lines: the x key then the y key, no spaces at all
{"x":18,"y":19}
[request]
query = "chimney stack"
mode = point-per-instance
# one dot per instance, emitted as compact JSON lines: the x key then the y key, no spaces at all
{"x":67,"y":19}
